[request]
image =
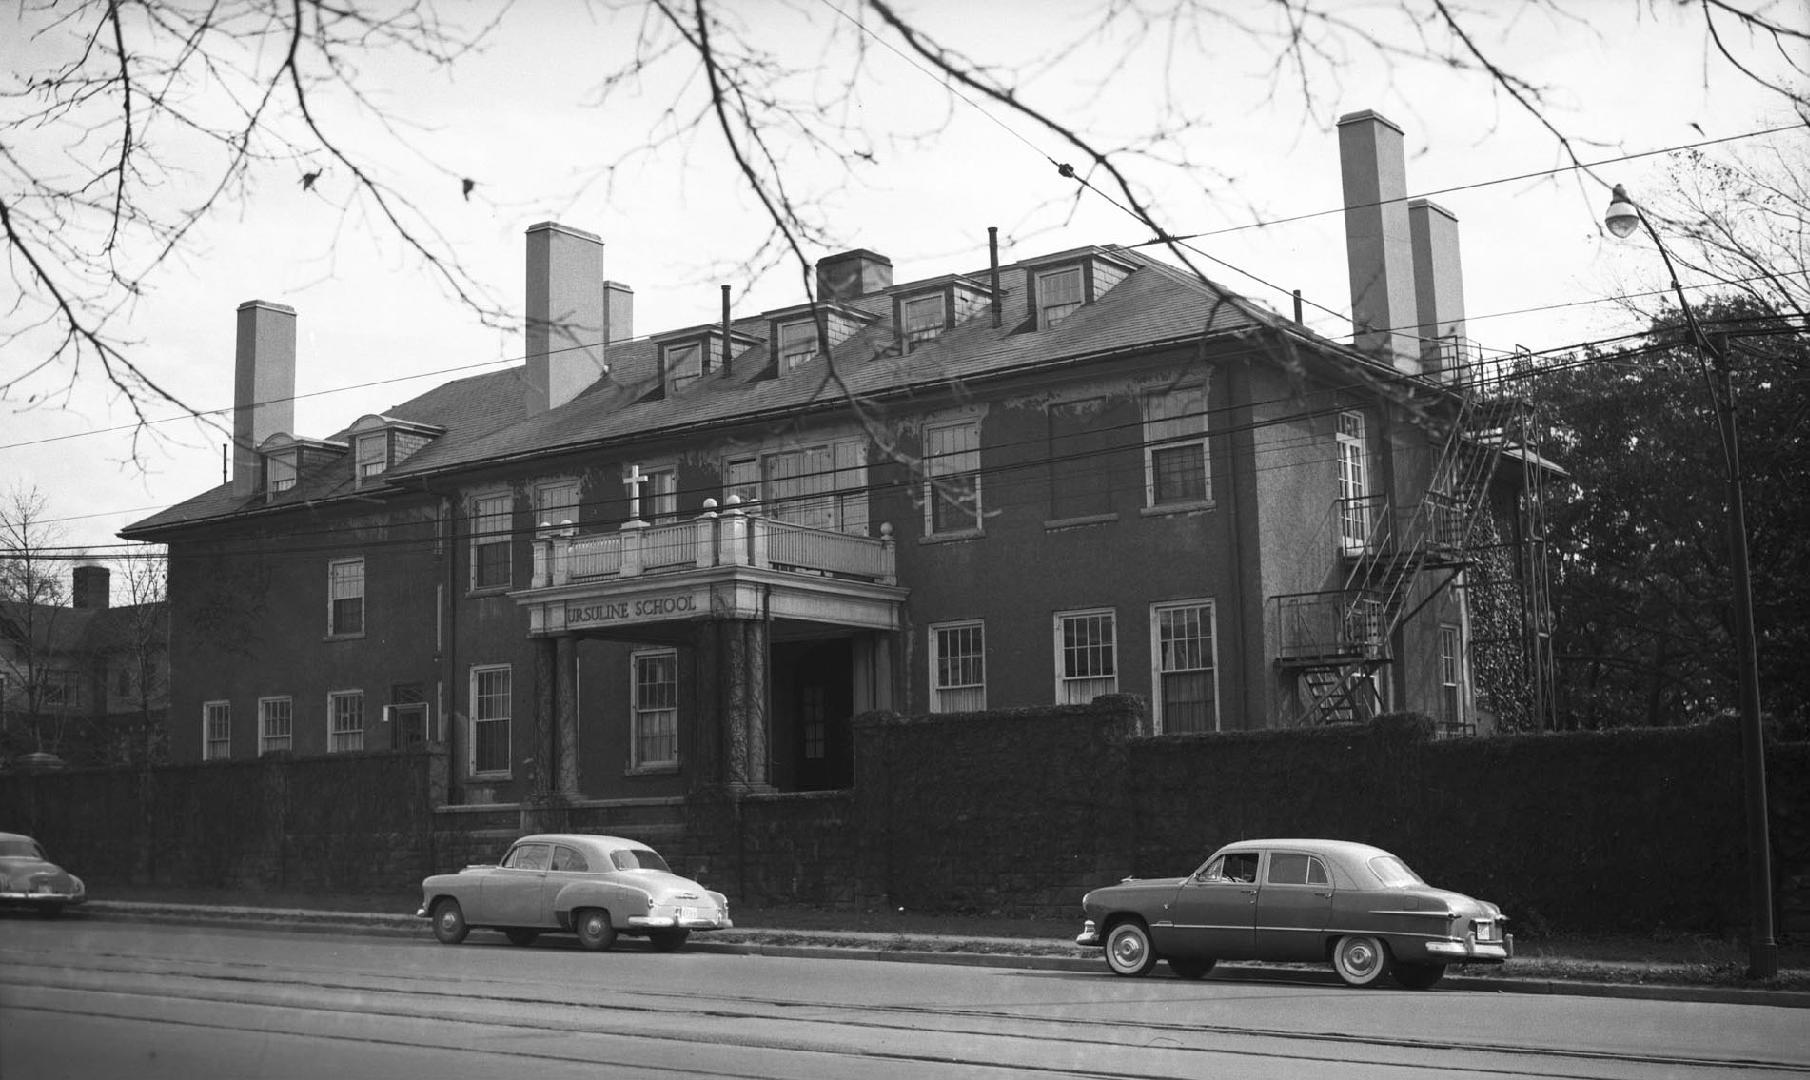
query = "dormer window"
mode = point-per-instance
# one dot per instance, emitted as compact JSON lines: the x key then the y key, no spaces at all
{"x":380,"y":443}
{"x":925,"y":310}
{"x":797,"y":345}
{"x":279,"y":472}
{"x":373,"y":454}
{"x":684,"y":363}
{"x":1062,"y":284}
{"x":924,"y":317}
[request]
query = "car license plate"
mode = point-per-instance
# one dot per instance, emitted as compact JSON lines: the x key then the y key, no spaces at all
{"x":686,"y":914}
{"x":42,"y":887}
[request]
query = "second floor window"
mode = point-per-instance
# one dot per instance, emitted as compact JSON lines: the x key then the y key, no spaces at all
{"x":655,"y":738}
{"x":1175,"y":446}
{"x":490,"y":547}
{"x":346,"y":597}
{"x":958,"y":667}
{"x":952,"y":484}
{"x":556,"y":505}
{"x":1355,"y":513}
{"x":1087,"y":656}
{"x":276,"y":724}
{"x":216,"y":730}
{"x":346,"y":722}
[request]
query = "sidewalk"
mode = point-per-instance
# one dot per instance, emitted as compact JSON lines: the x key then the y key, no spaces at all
{"x":1676,"y":970}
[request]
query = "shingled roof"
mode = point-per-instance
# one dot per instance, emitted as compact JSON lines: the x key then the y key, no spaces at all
{"x":1155,"y":305}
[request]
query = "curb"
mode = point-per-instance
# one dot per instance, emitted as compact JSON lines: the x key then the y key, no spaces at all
{"x":924,"y":949}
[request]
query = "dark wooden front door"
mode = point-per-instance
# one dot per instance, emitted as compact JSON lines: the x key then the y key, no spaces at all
{"x":816,"y":697}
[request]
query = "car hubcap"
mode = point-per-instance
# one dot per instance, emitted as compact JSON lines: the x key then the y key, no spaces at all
{"x":448,"y":922}
{"x":1128,"y":949}
{"x":1360,"y":957}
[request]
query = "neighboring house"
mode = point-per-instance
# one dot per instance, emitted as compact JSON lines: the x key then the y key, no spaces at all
{"x":643,"y":566}
{"x":87,"y":682}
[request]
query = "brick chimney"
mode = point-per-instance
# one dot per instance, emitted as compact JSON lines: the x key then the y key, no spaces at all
{"x":1438,"y":287}
{"x":92,"y":588}
{"x":567,"y":312}
{"x":1378,"y":252}
{"x":263,"y":385}
{"x":853,"y":274}
{"x":618,"y":311}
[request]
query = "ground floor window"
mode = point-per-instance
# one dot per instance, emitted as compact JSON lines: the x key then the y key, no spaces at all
{"x":1185,"y":679}
{"x":491,"y":702}
{"x":655,"y":694}
{"x":958,"y":667}
{"x":345,"y":722}
{"x":1087,"y":662}
{"x":217,"y":730}
{"x":1451,"y":681}
{"x":276,"y":724}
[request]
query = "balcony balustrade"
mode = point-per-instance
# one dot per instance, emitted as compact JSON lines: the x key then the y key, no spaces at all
{"x":1325,"y":626}
{"x":713,"y":539}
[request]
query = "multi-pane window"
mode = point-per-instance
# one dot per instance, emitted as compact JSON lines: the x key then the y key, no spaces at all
{"x":958,"y":667}
{"x":655,"y":687}
{"x":279,"y":473}
{"x":1185,"y":691}
{"x":491,"y":703}
{"x":373,"y":454}
{"x":797,"y":344}
{"x":823,"y":486}
{"x":925,"y":317}
{"x":741,"y":478}
{"x":556,"y":505}
{"x":345,"y":721}
{"x":1354,"y":483}
{"x":490,"y":547}
{"x":660,"y":495}
{"x":216,"y":730}
{"x":276,"y":724}
{"x":1058,"y":295}
{"x":346,"y":596}
{"x":952,"y":484}
{"x":1451,"y":690}
{"x":1175,"y":446}
{"x":1086,"y":656}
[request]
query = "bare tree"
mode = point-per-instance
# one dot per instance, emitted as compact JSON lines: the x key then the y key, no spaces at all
{"x":143,"y":648}
{"x":41,"y":684}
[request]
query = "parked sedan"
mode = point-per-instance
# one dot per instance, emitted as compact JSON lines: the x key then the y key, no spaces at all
{"x":1357,"y":906}
{"x":28,"y":879}
{"x":594,"y":886}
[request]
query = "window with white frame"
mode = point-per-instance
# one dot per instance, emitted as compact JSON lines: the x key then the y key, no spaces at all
{"x":216,"y":730}
{"x":660,"y":495}
{"x":654,"y":678}
{"x":276,"y":724}
{"x":741,"y":478}
{"x":1087,"y":656}
{"x":823,"y":486}
{"x":373,"y":454}
{"x":490,"y":542}
{"x":279,"y":473}
{"x":491,"y":707}
{"x":925,"y":317}
{"x":958,"y":667}
{"x":1451,"y":678}
{"x":346,"y":597}
{"x":1059,"y":294}
{"x":1185,"y":677}
{"x":345,"y":721}
{"x":1175,"y":446}
{"x":952,"y":478}
{"x":797,"y":344}
{"x":556,"y":505}
{"x":1354,"y":483}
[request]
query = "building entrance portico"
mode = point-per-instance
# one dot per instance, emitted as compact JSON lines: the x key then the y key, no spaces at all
{"x":780,"y":634}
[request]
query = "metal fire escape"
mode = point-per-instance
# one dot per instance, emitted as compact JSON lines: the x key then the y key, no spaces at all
{"x":1399,"y":558}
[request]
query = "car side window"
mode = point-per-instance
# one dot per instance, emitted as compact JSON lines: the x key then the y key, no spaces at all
{"x":1316,"y":872}
{"x":529,"y":857}
{"x":1239,"y":868}
{"x":1287,"y":868}
{"x":567,"y":860}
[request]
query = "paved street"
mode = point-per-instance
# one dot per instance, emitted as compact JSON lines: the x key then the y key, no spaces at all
{"x":95,"y":999}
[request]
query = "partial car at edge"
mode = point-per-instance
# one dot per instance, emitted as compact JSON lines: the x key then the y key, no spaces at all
{"x":594,"y":886}
{"x":1356,"y":906}
{"x":28,"y":879}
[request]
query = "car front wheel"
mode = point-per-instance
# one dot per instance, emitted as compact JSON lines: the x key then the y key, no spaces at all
{"x":1360,"y":959}
{"x":1418,"y":976}
{"x":1128,"y":950}
{"x":595,"y":931}
{"x":449,"y":922}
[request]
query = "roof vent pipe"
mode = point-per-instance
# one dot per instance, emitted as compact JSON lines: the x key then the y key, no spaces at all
{"x":993,"y":258}
{"x":728,"y":346}
{"x":1297,"y":307}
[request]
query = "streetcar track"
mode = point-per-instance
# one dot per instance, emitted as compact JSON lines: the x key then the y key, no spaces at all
{"x":903,"y":1018}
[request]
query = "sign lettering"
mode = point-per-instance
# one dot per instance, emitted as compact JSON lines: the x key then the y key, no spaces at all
{"x":631,"y":609}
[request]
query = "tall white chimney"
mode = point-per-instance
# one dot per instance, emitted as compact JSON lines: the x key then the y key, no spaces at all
{"x":1438,"y":288}
{"x":263,"y":385}
{"x":1378,"y":252}
{"x":567,"y":325}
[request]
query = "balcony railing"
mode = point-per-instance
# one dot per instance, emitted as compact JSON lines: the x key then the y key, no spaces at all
{"x":730,"y":538}
{"x":1328,"y":625}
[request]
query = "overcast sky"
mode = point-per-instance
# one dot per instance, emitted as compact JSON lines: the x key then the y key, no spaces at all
{"x":520,"y":119}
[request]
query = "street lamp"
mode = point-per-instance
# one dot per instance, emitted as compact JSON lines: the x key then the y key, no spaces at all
{"x":1622,"y":218}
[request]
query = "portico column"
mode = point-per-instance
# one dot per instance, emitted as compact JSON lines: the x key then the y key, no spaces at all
{"x":743,"y":679}
{"x":567,"y":711}
{"x":540,"y":744}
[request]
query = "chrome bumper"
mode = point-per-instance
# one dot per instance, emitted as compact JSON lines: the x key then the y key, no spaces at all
{"x":673,"y":922}
{"x":1472,"y":951}
{"x":1089,"y":938}
{"x":42,"y":898}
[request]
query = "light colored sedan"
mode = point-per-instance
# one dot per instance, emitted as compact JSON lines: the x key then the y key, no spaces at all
{"x":1303,"y":900}
{"x":28,"y":879}
{"x":594,"y":886}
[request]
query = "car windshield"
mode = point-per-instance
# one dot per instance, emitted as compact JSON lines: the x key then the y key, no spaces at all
{"x":638,"y":859}
{"x":20,"y":849}
{"x":1393,"y":873}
